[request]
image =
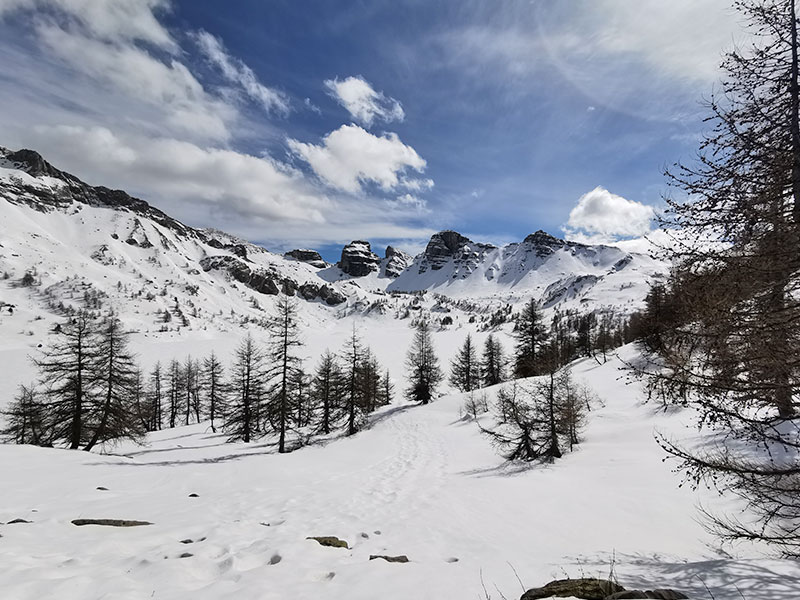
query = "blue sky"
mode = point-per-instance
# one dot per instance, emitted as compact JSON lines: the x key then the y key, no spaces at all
{"x":308,"y":124}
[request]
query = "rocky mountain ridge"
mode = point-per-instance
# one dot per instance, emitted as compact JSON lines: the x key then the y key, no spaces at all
{"x":105,"y":235}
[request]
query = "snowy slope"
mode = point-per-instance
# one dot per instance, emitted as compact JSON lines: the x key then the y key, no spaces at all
{"x":422,"y":482}
{"x":90,"y":243}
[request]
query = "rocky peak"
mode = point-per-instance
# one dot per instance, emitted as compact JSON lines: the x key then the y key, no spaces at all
{"x":396,"y":261}
{"x":451,"y":244}
{"x":311,"y":257}
{"x":358,"y":259}
{"x":542,"y":238}
{"x":32,"y":163}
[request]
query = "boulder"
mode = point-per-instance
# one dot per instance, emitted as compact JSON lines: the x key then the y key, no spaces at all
{"x":110,"y":522}
{"x":329,"y":541}
{"x":402,"y":558}
{"x":588,"y":588}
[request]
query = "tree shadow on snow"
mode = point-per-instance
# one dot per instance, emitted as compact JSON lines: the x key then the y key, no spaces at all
{"x":179,"y":462}
{"x":718,"y":578}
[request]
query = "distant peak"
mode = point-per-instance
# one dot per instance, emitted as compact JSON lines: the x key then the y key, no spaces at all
{"x":542,"y":238}
{"x":33,"y":162}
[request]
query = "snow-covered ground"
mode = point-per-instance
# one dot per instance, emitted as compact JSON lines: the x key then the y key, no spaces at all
{"x":421,"y":482}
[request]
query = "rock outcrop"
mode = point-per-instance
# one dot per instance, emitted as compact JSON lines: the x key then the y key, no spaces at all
{"x":358,"y":259}
{"x":397,"y":261}
{"x":311,"y":257}
{"x":451,"y":245}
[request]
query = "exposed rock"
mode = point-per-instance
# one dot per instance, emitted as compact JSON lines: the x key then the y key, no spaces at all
{"x":239,"y":250}
{"x":102,"y":489}
{"x":186,"y":555}
{"x":256,"y":279}
{"x":358,"y":259}
{"x":329,"y":541}
{"x":397,"y":261}
{"x":17,"y":521}
{"x":653,"y":594}
{"x":447,"y":245}
{"x":326,"y":293}
{"x":193,"y":495}
{"x":110,"y":522}
{"x":587,"y":588}
{"x":402,"y":558}
{"x":33,"y":163}
{"x":311,"y":257}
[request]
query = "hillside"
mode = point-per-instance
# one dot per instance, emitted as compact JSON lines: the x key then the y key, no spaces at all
{"x":90,"y":246}
{"x":422,"y":482}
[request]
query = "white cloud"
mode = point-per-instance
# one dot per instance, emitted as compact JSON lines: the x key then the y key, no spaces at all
{"x":601,"y":216}
{"x":103,"y":90}
{"x":350,"y":156}
{"x":137,"y":74}
{"x":363,"y":103}
{"x":647,"y":58}
{"x":107,"y":20}
{"x":236,"y":72}
{"x":247,"y":185}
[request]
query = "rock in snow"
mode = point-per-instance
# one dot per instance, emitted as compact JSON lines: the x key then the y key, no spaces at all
{"x":358,"y":259}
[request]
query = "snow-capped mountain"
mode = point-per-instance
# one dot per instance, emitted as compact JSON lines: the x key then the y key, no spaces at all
{"x":63,"y":241}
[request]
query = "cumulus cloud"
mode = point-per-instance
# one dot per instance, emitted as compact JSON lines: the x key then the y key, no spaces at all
{"x":363,"y":103}
{"x":601,"y":216}
{"x":244,"y":184}
{"x":350,"y":156}
{"x":106,"y":92}
{"x":238,"y":73}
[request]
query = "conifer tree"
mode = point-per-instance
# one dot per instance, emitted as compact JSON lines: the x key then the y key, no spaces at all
{"x":354,"y":408}
{"x":66,"y":372}
{"x":531,"y":334}
{"x":424,"y":374}
{"x":493,"y":362}
{"x":327,"y":388}
{"x":282,"y":356}
{"x":25,"y":420}
{"x":246,"y":391}
{"x":465,"y":368}
{"x":214,"y":387}
{"x":114,"y":415}
{"x":734,"y":351}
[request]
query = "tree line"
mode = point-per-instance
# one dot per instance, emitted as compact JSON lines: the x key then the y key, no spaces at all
{"x":91,"y":390}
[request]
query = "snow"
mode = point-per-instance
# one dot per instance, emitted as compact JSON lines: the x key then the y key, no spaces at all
{"x":422,"y":476}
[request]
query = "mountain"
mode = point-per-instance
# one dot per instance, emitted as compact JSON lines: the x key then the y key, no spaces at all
{"x":76,"y":244}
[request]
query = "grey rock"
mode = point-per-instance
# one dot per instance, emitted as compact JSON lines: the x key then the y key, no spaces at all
{"x":110,"y":522}
{"x":588,"y":588}
{"x":358,"y":259}
{"x":329,"y":541}
{"x":397,"y":261}
{"x":311,"y":257}
{"x":402,"y":558}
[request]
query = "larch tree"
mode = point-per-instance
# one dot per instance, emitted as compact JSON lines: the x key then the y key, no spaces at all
{"x":327,"y":388}
{"x":114,"y":415}
{"x":531,"y":334}
{"x":422,"y":365}
{"x":66,"y":376}
{"x":214,"y":387}
{"x":465,"y":374}
{"x":247,"y":384}
{"x":493,"y":362}
{"x":284,"y":362}
{"x":734,"y":352}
